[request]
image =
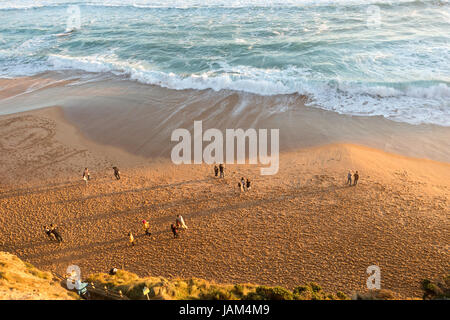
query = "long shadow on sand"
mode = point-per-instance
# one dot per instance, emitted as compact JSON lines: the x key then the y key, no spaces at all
{"x":91,"y":249}
{"x":47,"y":188}
{"x":129,"y":191}
{"x":122,"y":242}
{"x":37,"y":190}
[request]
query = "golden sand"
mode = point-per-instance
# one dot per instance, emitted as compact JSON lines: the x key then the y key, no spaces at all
{"x":303,"y":224}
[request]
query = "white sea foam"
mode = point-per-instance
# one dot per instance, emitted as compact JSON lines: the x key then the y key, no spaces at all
{"x":30,"y":4}
{"x":414,"y":103}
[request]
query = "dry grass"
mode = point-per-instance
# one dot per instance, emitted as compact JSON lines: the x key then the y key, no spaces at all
{"x":22,"y":281}
{"x":192,"y":289}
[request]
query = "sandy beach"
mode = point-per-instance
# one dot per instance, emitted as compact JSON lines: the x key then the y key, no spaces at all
{"x":303,"y":224}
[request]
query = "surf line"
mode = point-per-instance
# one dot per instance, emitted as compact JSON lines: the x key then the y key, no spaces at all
{"x":214,"y":151}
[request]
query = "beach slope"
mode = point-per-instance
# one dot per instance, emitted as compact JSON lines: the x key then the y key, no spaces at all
{"x":302,"y":225}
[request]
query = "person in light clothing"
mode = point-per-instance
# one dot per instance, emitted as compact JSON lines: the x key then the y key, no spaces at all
{"x":180,"y":222}
{"x":86,"y":175}
{"x":146,"y":227}
{"x":131,"y":239}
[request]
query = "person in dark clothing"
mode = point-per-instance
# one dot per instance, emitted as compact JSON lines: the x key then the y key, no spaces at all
{"x":116,"y":173}
{"x":112,"y":271}
{"x":49,"y":233}
{"x":243,"y":184}
{"x":355,"y":178}
{"x":174,"y":230}
{"x":349,"y":178}
{"x":248,"y":184}
{"x":221,"y":169}
{"x":216,"y":171}
{"x":55,"y":233}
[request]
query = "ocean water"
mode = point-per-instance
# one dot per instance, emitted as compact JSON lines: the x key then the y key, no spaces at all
{"x":388,"y":58}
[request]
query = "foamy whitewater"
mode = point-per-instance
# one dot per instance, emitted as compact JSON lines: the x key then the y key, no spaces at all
{"x":388,"y":58}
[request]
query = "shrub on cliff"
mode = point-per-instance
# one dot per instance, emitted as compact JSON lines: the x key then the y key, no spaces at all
{"x":438,"y":290}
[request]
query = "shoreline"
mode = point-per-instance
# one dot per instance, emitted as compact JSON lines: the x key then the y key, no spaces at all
{"x":139,"y":119}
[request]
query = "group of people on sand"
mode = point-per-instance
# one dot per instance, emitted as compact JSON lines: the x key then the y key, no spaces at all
{"x":355,"y":178}
{"x":178,"y":226}
{"x":87,"y":175}
{"x":52,"y":233}
{"x":244,"y":185}
{"x":174,"y":227}
{"x":219,"y":169}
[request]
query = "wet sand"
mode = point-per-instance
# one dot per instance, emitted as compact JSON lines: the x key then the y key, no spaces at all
{"x":140,"y":118}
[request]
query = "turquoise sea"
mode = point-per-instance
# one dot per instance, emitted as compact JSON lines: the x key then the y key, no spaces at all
{"x":389,"y":58}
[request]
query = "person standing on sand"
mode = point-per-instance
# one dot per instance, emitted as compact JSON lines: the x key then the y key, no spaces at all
{"x":116,"y":173}
{"x":180,"y":222}
{"x":241,"y":187}
{"x":146,"y":227}
{"x":131,"y":237}
{"x":243,"y":183}
{"x":174,"y":230}
{"x":248,"y":184}
{"x":55,"y":233}
{"x":355,"y":178}
{"x":49,"y":233}
{"x":216,"y":171}
{"x":349,"y":178}
{"x":221,"y":169}
{"x":86,"y":175}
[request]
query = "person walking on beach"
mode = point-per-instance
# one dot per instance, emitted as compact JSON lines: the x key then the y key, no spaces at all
{"x":243,"y":183}
{"x":221,"y":169}
{"x":174,"y":230}
{"x":241,"y":187}
{"x":131,"y":239}
{"x":146,"y":227}
{"x":49,"y":233}
{"x":55,"y":233}
{"x":180,"y":222}
{"x":355,"y":178}
{"x":86,"y":175}
{"x":349,"y":178}
{"x":216,"y":171}
{"x":116,"y":173}
{"x":248,"y":184}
